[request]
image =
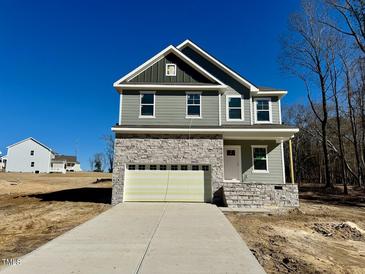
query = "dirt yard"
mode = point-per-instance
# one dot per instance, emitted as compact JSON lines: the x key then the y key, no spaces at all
{"x":35,"y":208}
{"x":325,"y":235}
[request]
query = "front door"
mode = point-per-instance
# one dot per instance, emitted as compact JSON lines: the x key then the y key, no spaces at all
{"x":232,"y":163}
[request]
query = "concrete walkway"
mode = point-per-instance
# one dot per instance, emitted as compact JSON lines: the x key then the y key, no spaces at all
{"x":146,"y":238}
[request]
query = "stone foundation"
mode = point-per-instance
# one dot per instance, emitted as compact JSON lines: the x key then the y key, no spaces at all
{"x":257,"y":195}
{"x":166,"y":149}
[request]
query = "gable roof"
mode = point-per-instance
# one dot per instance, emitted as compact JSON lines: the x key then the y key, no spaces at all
{"x":34,"y":140}
{"x":123,"y":82}
{"x":203,"y":53}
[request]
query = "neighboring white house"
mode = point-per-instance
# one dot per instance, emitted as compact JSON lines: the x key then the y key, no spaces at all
{"x":65,"y":163}
{"x":30,"y":155}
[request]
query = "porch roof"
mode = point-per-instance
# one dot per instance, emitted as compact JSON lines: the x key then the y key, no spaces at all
{"x":239,"y":132}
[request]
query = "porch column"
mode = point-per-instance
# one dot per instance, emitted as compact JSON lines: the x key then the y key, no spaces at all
{"x":291,"y":162}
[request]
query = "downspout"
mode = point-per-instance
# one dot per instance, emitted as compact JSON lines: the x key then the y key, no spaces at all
{"x":220,"y":109}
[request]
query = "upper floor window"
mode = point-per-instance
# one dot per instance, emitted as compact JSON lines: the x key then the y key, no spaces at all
{"x":147,"y":104}
{"x":234,"y":108}
{"x":32,"y":164}
{"x":32,"y":152}
{"x":193,"y":105}
{"x":259,"y":159}
{"x":170,"y":70}
{"x":263,"y":110}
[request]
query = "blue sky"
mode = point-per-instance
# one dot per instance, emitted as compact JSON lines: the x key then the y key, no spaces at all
{"x":59,"y":59}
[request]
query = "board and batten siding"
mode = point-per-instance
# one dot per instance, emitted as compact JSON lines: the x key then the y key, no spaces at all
{"x":170,"y":109}
{"x":157,"y":74}
{"x":275,"y":164}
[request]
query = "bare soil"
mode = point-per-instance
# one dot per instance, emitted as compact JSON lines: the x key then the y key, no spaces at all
{"x":35,"y":208}
{"x":325,"y":235}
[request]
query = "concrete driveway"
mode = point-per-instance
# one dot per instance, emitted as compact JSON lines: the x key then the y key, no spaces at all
{"x":146,"y":238}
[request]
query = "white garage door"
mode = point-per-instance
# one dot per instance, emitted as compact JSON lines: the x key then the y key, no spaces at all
{"x":171,"y":183}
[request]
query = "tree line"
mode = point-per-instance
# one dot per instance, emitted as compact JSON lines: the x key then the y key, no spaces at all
{"x":325,"y":48}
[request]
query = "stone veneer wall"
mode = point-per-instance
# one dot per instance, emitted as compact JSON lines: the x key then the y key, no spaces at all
{"x":256,"y":195}
{"x":166,"y":149}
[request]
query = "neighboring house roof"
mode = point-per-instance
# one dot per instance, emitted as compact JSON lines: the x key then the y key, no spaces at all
{"x":215,"y":61}
{"x":34,"y":140}
{"x":67,"y":158}
{"x":124,"y":81}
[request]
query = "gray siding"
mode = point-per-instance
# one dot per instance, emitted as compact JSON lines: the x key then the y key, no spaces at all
{"x":275,"y":164}
{"x":184,"y":73}
{"x":234,"y":88}
{"x":246,"y":108}
{"x":274,"y":107}
{"x":170,"y":109}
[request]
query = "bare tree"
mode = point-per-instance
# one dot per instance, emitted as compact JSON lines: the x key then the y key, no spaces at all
{"x":109,"y":151}
{"x":306,"y":54}
{"x":353,"y":19}
{"x":97,"y":162}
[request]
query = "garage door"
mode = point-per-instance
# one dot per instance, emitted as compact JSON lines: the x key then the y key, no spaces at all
{"x":171,"y":183}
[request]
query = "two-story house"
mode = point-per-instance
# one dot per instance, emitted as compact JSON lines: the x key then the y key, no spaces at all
{"x":192,"y":130}
{"x":30,"y":155}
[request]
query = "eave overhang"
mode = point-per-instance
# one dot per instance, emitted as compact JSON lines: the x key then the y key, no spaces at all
{"x":277,"y":134}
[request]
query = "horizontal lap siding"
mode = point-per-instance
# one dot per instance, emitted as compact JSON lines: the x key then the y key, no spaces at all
{"x":234,"y":87}
{"x":275,"y":174}
{"x":170,"y":109}
{"x":274,"y":108}
{"x":246,"y":109}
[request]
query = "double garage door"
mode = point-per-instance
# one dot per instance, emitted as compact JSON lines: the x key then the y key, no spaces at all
{"x":170,"y":183}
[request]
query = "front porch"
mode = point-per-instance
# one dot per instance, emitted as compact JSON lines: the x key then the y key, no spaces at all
{"x":254,"y":175}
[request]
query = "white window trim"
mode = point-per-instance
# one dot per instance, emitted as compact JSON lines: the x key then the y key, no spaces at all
{"x":227,"y":108}
{"x":270,"y":111}
{"x":120,"y":108}
{"x":220,"y":109}
{"x":186,"y":105}
{"x":170,"y":64}
{"x":279,"y":104}
{"x":140,"y":104}
{"x":252,"y":159}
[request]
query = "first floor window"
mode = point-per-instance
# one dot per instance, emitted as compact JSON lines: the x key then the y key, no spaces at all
{"x":153,"y":167}
{"x":163,"y":167}
{"x":147,"y":104}
{"x":174,"y":167}
{"x":195,"y":167}
{"x":263,"y":109}
{"x":234,"y":105}
{"x":32,"y":164}
{"x":132,"y":167}
{"x":141,"y":167}
{"x":193,"y":106}
{"x":259,"y":155}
